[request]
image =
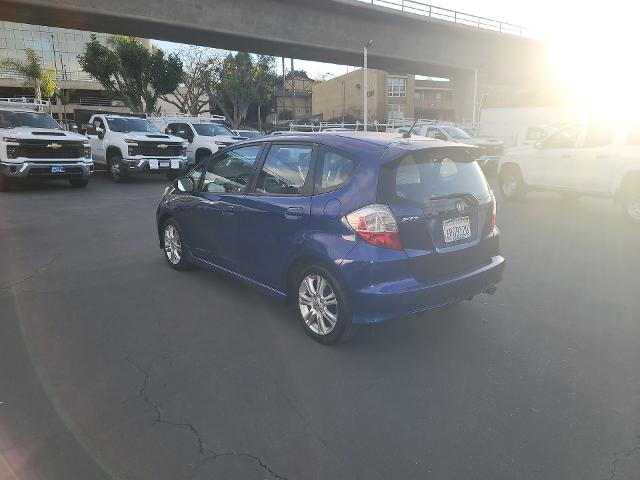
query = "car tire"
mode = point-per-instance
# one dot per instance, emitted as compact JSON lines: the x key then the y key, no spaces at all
{"x":316,"y":308}
{"x":5,"y":183}
{"x":79,"y":182}
{"x":173,"y":245}
{"x":631,"y":204}
{"x":114,"y":168}
{"x":512,"y":186}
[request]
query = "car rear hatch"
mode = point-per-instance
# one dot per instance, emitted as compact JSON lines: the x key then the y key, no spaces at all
{"x":444,"y":209}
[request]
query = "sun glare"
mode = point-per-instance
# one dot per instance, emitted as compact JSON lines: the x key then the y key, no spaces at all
{"x":594,"y":60}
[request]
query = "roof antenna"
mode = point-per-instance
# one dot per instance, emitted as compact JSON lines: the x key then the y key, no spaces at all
{"x":408,"y":134}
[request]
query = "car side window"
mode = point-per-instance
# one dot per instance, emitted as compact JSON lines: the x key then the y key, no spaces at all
{"x":196,"y":173}
{"x":431,"y":132}
{"x":285,"y":170}
{"x":232,"y":171}
{"x":333,"y":170}
{"x":565,"y":138}
{"x":599,"y":136}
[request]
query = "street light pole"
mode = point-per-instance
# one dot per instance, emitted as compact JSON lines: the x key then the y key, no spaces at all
{"x":365,"y":84}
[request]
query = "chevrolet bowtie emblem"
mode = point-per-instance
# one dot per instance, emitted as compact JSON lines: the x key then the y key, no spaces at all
{"x":55,"y":146}
{"x":163,"y":145}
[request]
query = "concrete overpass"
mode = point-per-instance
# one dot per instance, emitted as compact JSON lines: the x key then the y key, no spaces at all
{"x":321,"y":30}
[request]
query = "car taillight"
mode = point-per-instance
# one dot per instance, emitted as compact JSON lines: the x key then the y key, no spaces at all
{"x":375,"y":224}
{"x":492,"y":225}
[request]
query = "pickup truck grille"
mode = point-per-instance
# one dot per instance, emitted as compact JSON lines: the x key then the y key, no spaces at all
{"x":153,"y":149}
{"x":50,"y":149}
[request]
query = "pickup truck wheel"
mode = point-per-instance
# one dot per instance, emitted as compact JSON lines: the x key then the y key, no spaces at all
{"x":631,"y":205}
{"x":113,"y":166}
{"x":79,"y":182}
{"x":511,"y":184}
{"x":5,"y":183}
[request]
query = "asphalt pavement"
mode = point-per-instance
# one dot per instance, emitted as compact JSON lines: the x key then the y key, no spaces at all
{"x":114,"y":366}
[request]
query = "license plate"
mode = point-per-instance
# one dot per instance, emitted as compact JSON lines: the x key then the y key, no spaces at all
{"x":165,"y":164}
{"x":456,"y":229}
{"x":57,"y":169}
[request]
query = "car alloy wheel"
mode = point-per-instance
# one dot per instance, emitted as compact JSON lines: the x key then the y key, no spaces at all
{"x":509,"y":185}
{"x":172,"y":244}
{"x":318,"y":304}
{"x":632,"y":205}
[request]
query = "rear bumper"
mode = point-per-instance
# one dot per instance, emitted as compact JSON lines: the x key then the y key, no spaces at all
{"x":148,"y":165}
{"x":388,"y":300}
{"x":42,"y":169}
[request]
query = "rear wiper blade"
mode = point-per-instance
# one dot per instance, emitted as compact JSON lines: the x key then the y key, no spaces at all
{"x":467,"y":196}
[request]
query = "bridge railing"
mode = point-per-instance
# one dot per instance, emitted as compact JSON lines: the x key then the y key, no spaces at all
{"x":418,"y":7}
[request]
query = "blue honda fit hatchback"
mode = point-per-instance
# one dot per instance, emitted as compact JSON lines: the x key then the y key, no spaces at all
{"x":352,"y":227}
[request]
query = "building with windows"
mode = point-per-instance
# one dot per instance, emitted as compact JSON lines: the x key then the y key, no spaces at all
{"x":292,"y":97}
{"x":58,"y":49}
{"x":391,"y":96}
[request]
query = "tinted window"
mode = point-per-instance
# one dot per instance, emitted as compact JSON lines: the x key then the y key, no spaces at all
{"x":123,"y":124}
{"x":196,"y":173}
{"x":634,"y":136}
{"x":333,"y":170}
{"x":232,"y":171}
{"x":455,"y":132}
{"x":599,"y":136}
{"x":10,"y":119}
{"x":211,"y":129}
{"x":565,"y":138}
{"x":285,"y":170}
{"x":422,"y":176}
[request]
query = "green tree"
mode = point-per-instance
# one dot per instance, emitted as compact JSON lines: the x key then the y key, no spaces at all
{"x":43,"y":81}
{"x":243,"y":80}
{"x":126,"y":69}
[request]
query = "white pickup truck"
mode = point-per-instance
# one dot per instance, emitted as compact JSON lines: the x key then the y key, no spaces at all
{"x":204,"y":135}
{"x":32,"y":145}
{"x":125,"y":145}
{"x":597,"y":159}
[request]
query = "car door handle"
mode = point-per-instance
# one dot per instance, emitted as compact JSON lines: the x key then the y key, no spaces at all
{"x":228,"y":210}
{"x":293,"y":213}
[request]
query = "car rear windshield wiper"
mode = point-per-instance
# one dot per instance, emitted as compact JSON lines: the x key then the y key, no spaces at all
{"x":467,"y":196}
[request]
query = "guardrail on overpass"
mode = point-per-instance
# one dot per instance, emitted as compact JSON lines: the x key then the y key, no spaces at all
{"x":417,"y":7}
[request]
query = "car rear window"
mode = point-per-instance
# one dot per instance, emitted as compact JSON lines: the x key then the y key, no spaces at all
{"x":422,"y":176}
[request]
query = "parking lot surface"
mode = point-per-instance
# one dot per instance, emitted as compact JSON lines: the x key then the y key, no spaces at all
{"x":115,"y":366}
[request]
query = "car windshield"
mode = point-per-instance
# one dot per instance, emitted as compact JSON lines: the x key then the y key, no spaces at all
{"x":9,"y":119}
{"x":212,"y":129}
{"x":125,"y":124}
{"x":456,"y":132}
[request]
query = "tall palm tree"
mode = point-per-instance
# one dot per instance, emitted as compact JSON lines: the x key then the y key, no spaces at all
{"x":42,"y":81}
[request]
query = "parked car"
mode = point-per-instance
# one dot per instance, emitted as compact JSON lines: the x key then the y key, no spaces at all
{"x":352,"y":227}
{"x":249,"y":134}
{"x":489,"y":152}
{"x":33,"y":145}
{"x":596,"y":159}
{"x":203,"y":136}
{"x":125,"y":145}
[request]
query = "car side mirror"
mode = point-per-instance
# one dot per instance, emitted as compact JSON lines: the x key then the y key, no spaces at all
{"x":100,"y":132}
{"x":184,"y":184}
{"x":167,"y":131}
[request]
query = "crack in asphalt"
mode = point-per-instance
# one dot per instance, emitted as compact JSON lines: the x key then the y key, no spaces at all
{"x":35,"y":273}
{"x":617,"y":456}
{"x":208,"y":454}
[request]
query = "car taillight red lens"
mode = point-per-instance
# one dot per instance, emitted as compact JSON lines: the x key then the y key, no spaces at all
{"x":375,"y":224}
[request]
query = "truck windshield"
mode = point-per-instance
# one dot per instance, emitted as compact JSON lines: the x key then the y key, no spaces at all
{"x":456,"y":132}
{"x":122,"y":124}
{"x":211,"y":129}
{"x":10,"y":119}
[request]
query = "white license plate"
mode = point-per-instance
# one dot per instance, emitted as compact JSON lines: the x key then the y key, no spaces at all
{"x":165,"y":164}
{"x":456,"y":229}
